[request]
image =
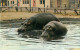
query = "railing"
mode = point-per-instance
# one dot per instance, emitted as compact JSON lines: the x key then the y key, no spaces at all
{"x":40,"y":10}
{"x":21,"y":9}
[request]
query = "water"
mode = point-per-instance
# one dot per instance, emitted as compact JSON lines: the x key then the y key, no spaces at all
{"x":9,"y":40}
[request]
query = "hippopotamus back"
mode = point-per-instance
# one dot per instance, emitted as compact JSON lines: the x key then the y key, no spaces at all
{"x":54,"y":30}
{"x":37,"y":22}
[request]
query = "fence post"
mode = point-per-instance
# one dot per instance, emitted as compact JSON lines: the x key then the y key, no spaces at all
{"x":21,"y":9}
{"x":44,"y":9}
{"x":32,"y":9}
{"x":8,"y":9}
{"x":55,"y":10}
{"x":38,"y":9}
{"x":65,"y":11}
{"x":76,"y":11}
{"x":60,"y":11}
{"x":79,"y":11}
{"x":30,"y":5}
{"x":16,"y":9}
{"x":0,"y":9}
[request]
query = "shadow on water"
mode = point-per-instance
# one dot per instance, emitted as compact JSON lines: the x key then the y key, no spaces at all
{"x":11,"y":41}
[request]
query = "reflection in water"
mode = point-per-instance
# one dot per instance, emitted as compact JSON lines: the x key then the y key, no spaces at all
{"x":52,"y":38}
{"x":9,"y":40}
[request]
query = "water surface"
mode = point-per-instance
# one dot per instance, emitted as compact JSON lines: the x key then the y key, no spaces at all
{"x":9,"y":40}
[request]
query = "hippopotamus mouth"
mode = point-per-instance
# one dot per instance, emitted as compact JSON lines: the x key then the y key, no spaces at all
{"x":45,"y":34}
{"x":20,"y":31}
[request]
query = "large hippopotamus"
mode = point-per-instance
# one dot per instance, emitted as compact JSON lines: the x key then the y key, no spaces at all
{"x":53,"y":30}
{"x":37,"y":22}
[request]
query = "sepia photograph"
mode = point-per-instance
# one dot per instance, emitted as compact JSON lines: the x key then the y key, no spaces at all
{"x":39,"y":24}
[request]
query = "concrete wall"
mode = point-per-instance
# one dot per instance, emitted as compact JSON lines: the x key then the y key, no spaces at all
{"x":15,"y":3}
{"x":79,"y":3}
{"x":38,"y":4}
{"x":53,"y":3}
{"x":0,"y":8}
{"x":65,"y":4}
{"x":0,"y":2}
{"x":47,"y":3}
{"x":23,"y":5}
{"x":3,"y":2}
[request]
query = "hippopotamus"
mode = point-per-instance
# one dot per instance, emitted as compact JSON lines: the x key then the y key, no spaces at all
{"x":54,"y":30}
{"x":37,"y":22}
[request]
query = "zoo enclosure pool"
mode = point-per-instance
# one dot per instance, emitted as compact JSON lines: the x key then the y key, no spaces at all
{"x":9,"y":40}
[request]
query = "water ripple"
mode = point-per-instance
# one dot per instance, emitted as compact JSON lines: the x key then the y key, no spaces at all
{"x":11,"y":41}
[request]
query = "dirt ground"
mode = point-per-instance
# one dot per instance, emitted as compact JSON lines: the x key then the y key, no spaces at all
{"x":15,"y":15}
{"x":75,"y":49}
{"x":23,"y":15}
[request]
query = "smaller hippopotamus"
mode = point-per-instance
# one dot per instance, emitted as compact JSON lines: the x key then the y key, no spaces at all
{"x":53,"y":30}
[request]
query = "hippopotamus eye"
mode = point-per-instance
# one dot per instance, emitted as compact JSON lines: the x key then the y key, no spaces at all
{"x":50,"y":28}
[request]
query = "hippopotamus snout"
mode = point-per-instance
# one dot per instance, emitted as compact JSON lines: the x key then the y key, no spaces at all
{"x":45,"y":34}
{"x":21,"y":31}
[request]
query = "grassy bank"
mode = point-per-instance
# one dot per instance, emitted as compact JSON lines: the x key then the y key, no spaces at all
{"x":17,"y":22}
{"x":13,"y":19}
{"x":24,"y":15}
{"x":15,"y":15}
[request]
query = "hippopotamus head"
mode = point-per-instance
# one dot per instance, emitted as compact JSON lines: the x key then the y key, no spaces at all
{"x":26,"y":26}
{"x":55,"y":30}
{"x":48,"y":31}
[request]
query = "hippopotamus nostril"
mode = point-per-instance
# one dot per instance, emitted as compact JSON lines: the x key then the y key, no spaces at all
{"x":21,"y":30}
{"x":18,"y":30}
{"x":22,"y":23}
{"x":44,"y":36}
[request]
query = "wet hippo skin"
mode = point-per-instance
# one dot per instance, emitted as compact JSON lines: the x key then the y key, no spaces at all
{"x":37,"y":22}
{"x":54,"y":30}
